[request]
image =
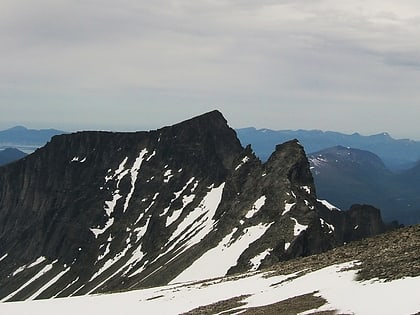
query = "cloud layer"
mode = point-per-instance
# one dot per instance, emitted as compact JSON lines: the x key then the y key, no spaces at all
{"x":347,"y":65}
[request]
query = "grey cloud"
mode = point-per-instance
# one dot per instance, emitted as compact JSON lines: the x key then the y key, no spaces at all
{"x":313,"y":57}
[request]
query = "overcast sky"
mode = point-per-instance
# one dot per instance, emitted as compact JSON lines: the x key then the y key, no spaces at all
{"x":288,"y":64}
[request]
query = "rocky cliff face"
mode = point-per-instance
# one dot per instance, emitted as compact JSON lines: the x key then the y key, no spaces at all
{"x":99,"y":211}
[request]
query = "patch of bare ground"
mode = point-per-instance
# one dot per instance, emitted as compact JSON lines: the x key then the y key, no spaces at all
{"x":221,"y":307}
{"x":290,"y":306}
{"x":389,"y":256}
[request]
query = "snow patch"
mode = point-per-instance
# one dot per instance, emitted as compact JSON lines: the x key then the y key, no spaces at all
{"x":4,"y":256}
{"x":48,"y":284}
{"x":287,"y":207}
{"x":334,"y":283}
{"x":150,"y":156}
{"x":325,"y":223}
{"x":167,"y":176}
{"x":299,"y":228}
{"x":197,"y":224}
{"x":106,"y":252}
{"x":38,"y":275}
{"x":328,"y":205}
{"x":134,"y":174}
{"x":186,"y":200}
{"x":228,"y":248}
{"x":256,"y":261}
{"x":256,"y":207}
{"x":77,"y":159}
{"x":99,"y":231}
{"x":306,"y":188}
{"x":243,"y":161}
{"x":117,"y":172}
{"x":201,"y":217}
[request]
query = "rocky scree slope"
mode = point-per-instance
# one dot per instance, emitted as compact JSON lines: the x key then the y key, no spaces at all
{"x":100,"y":212}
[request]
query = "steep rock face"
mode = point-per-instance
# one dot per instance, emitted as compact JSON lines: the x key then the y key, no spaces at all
{"x":100,"y":211}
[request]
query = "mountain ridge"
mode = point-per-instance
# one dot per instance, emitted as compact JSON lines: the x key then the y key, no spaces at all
{"x":397,"y":154}
{"x":95,"y":212}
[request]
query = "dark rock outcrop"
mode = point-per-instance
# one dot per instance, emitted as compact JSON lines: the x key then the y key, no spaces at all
{"x":101,"y":211}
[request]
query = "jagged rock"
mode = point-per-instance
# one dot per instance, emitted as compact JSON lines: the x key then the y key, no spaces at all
{"x":101,"y":211}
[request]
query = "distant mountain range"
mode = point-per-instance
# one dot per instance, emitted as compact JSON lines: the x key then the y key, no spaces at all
{"x":376,"y":170}
{"x":9,"y":155}
{"x":25,"y":139}
{"x":345,"y":175}
{"x":396,"y":154}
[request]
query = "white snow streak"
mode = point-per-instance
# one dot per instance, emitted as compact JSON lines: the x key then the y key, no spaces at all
{"x":119,"y":174}
{"x":197,"y":224}
{"x":48,"y":284}
{"x":77,"y":159}
{"x":110,"y":204}
{"x":287,"y":207}
{"x":334,"y":283}
{"x":68,"y":286}
{"x":98,"y":231}
{"x":256,"y":261}
{"x":328,"y":205}
{"x":243,"y":161}
{"x":134,"y":174}
{"x":167,"y":176}
{"x":118,"y":171}
{"x":306,"y":188}
{"x":150,"y":156}
{"x":106,"y":252}
{"x":4,"y":256}
{"x":201,"y":217}
{"x":19,"y":270}
{"x":256,"y":207}
{"x":186,"y":200}
{"x":229,"y":248}
{"x":177,"y":195}
{"x":36,"y":262}
{"x":38,"y":275}
{"x":142,"y":230}
{"x":330,"y":226}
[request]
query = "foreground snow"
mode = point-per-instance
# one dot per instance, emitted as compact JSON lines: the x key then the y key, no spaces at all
{"x":335,"y":284}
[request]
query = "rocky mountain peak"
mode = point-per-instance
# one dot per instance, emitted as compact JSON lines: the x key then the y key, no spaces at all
{"x":102,"y":211}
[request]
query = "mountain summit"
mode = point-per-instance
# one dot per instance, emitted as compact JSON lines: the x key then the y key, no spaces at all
{"x":98,"y":212}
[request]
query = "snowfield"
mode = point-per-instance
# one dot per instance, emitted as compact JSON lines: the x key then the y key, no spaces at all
{"x":335,"y":284}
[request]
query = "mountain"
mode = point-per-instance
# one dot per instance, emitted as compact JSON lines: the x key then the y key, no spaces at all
{"x":94,"y":212}
{"x":346,"y":175}
{"x":378,"y":275}
{"x":397,"y":154}
{"x":26,"y":139}
{"x":9,"y":155}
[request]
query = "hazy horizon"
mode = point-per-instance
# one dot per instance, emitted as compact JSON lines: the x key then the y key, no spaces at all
{"x":146,"y":129}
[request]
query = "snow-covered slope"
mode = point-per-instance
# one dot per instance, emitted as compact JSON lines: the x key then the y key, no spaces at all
{"x":378,"y":275}
{"x":334,"y":286}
